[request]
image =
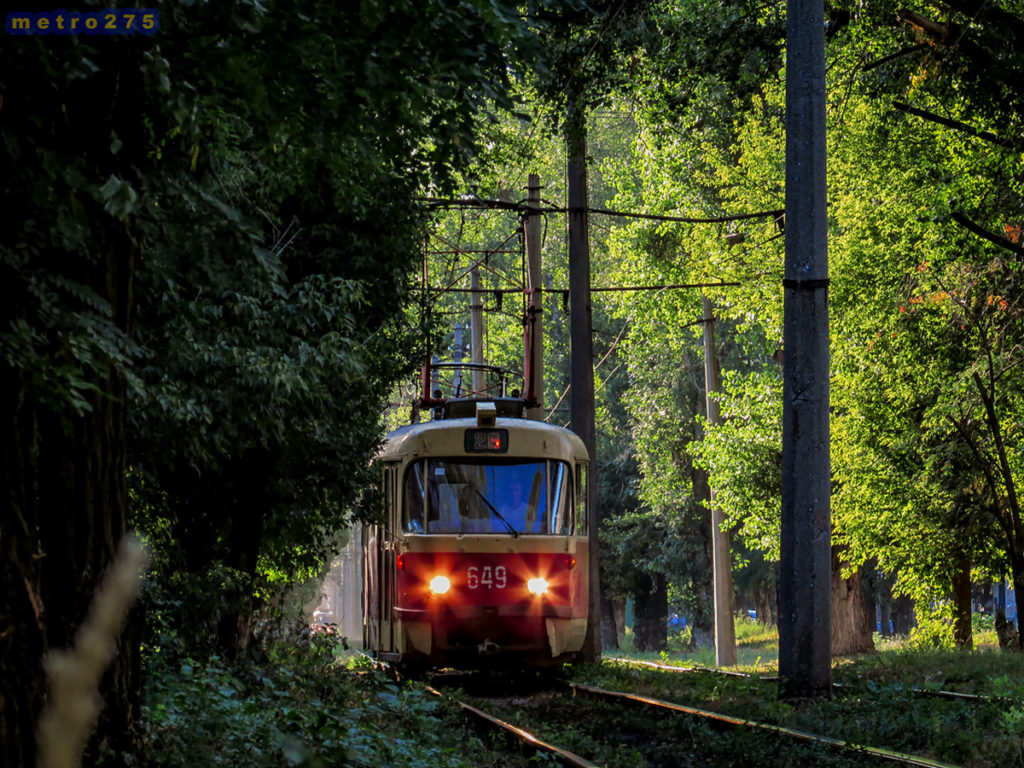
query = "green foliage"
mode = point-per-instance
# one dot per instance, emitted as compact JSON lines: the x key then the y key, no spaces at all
{"x":934,"y":628}
{"x":924,"y":333}
{"x":1010,"y":689}
{"x":592,"y":49}
{"x":879,"y":702}
{"x":280,"y":237}
{"x":302,"y":708}
{"x":910,"y":485}
{"x":744,"y":456}
{"x":1013,"y":722}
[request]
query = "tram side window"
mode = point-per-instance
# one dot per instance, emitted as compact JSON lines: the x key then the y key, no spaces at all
{"x":561,"y":514}
{"x":389,"y":497}
{"x":415,"y":494}
{"x":581,"y":499}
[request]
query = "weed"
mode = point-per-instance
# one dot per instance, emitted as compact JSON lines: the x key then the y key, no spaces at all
{"x":544,"y":758}
{"x":301,"y":708}
{"x":878,"y":704}
{"x":1010,"y":689}
{"x":1013,"y":721}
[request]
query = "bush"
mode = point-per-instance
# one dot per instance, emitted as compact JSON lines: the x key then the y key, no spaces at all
{"x":304,"y":707}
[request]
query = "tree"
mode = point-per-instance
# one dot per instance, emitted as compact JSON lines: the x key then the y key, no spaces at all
{"x":903,"y":463}
{"x":923,"y":163}
{"x":204,"y":223}
{"x":925,"y":202}
{"x":75,"y":147}
{"x":280,"y":363}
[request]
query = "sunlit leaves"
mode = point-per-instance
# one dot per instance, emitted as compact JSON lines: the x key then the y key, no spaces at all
{"x":744,"y":457}
{"x":921,"y":308}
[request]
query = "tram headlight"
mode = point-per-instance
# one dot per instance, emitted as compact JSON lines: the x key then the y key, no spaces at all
{"x":537,"y":586}
{"x":439,"y":585}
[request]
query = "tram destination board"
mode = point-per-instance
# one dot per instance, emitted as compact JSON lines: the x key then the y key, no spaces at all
{"x":486,"y":441}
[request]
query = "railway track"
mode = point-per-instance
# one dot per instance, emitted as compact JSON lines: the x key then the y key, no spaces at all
{"x":718,"y":720}
{"x":525,"y":740}
{"x":939,"y":694}
{"x":554,"y":702}
{"x":583,"y":726}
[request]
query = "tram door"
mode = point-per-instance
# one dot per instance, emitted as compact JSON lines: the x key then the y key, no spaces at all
{"x":389,"y":577}
{"x":380,"y":632}
{"x":581,"y":600}
{"x":371,"y":588}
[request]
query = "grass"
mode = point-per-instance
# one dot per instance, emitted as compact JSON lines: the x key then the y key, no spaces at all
{"x":757,"y":648}
{"x":311,"y":704}
{"x":757,"y":652}
{"x":878,"y":704}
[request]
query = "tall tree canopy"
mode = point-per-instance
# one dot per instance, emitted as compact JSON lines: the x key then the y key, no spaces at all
{"x":209,"y":232}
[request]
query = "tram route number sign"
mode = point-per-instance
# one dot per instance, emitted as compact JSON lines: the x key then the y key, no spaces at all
{"x":486,"y":441}
{"x":486,"y":577}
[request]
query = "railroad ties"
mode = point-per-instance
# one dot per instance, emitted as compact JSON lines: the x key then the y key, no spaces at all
{"x":653,"y":733}
{"x":648,"y":724}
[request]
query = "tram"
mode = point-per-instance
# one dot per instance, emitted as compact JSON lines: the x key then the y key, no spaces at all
{"x":481,"y":556}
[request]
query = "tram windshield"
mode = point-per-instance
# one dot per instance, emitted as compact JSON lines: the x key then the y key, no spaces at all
{"x":465,"y":496}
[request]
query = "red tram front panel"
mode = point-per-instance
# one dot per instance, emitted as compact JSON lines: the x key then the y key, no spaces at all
{"x":470,"y":598}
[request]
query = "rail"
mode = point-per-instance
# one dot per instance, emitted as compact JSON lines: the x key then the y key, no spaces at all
{"x":525,"y":738}
{"x":940,"y":694}
{"x":716,"y":718}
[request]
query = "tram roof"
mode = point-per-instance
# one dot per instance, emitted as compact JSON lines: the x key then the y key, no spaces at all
{"x":445,"y":437}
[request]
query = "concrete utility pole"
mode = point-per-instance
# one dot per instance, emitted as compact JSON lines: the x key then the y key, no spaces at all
{"x":533,"y":332}
{"x":458,"y":353}
{"x":805,"y":574}
{"x":581,"y":351}
{"x":476,"y":311}
{"x":725,"y":632}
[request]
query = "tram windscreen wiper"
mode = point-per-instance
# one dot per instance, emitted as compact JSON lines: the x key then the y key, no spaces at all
{"x":497,"y":514}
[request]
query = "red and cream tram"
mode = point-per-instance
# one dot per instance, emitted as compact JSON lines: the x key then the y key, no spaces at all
{"x":482,"y":553}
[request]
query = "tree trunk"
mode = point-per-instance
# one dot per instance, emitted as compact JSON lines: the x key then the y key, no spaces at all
{"x":23,"y":639}
{"x":1006,"y":631}
{"x":903,"y":615}
{"x":703,"y":620}
{"x":83,"y":514}
{"x":619,"y":608}
{"x":248,"y":517}
{"x":650,"y":628}
{"x":609,"y":636}
{"x":766,"y":600}
{"x":62,"y":531}
{"x":962,"y":603}
{"x":850,"y":628}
